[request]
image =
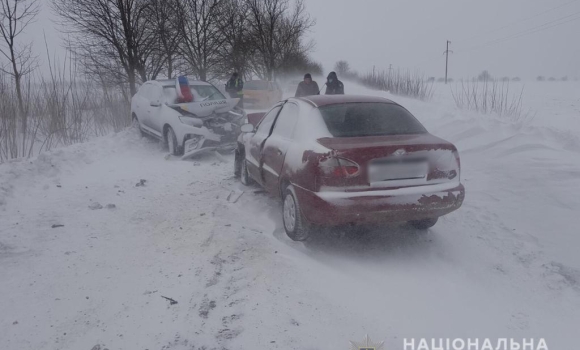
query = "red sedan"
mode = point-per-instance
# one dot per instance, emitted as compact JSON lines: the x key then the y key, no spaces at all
{"x":338,"y":160}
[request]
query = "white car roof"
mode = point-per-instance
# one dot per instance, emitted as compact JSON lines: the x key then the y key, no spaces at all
{"x":171,"y":82}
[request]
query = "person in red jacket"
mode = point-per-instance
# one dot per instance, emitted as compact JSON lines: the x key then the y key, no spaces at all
{"x":184,"y":94}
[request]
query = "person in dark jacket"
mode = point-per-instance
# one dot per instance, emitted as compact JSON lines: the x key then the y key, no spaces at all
{"x":308,"y":87}
{"x":333,"y":85}
{"x":235,"y":87}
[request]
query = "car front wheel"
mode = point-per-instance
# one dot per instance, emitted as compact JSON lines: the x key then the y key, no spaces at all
{"x":237,"y":164}
{"x":244,"y":175}
{"x":136,"y":125}
{"x":295,"y":224}
{"x":423,"y":224}
{"x":171,"y":140}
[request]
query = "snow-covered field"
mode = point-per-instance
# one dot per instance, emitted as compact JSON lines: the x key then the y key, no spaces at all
{"x":506,"y":265}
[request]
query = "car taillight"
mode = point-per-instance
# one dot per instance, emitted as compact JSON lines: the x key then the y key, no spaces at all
{"x":338,"y":167}
{"x":446,"y":166}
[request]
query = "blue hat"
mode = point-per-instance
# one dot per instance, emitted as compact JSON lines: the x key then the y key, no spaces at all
{"x":182,"y":79}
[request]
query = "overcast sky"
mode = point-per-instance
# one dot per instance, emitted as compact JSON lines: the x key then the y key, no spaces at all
{"x":411,"y":34}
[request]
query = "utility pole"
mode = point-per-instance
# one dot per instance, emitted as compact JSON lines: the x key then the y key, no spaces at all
{"x":446,"y":53}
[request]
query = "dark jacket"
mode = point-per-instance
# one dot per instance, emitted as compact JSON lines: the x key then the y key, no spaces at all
{"x":333,"y":85}
{"x":234,"y":87}
{"x":307,"y":89}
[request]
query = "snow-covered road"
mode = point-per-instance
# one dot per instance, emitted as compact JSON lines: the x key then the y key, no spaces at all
{"x":506,"y":265}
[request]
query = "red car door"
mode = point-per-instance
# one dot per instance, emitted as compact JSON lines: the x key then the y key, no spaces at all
{"x":276,"y":146}
{"x":256,"y":142}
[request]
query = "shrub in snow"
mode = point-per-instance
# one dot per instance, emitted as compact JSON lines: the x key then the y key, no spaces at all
{"x":399,"y":82}
{"x":491,"y":97}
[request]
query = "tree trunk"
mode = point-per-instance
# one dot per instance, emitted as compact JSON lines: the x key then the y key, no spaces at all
{"x":132,"y":84}
{"x":170,"y":67}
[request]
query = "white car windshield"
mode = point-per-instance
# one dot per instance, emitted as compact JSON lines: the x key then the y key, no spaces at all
{"x":199,"y":92}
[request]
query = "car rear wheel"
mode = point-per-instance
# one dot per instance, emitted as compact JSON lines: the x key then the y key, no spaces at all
{"x":295,"y":224}
{"x":244,"y":175}
{"x":172,"y":142}
{"x":423,"y":224}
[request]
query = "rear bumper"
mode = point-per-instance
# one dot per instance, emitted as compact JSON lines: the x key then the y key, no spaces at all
{"x":404,"y":204}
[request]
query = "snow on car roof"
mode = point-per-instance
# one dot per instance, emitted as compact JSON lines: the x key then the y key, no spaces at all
{"x":171,"y":82}
{"x":324,"y":100}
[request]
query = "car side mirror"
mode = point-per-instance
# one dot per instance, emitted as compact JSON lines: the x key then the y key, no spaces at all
{"x":155,"y":104}
{"x":247,"y":128}
{"x":254,"y":118}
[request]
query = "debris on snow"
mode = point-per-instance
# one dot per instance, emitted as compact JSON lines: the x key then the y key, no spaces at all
{"x":141,"y":183}
{"x":171,"y":301}
{"x":111,"y":206}
{"x":234,"y":196}
{"x":57,"y":226}
{"x":206,"y":307}
{"x":95,"y":206}
{"x":98,"y":347}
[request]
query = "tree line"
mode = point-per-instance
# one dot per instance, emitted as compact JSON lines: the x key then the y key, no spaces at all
{"x":118,"y":44}
{"x":124,"y":42}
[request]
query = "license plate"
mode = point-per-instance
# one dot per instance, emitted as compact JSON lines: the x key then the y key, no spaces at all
{"x":397,"y":171}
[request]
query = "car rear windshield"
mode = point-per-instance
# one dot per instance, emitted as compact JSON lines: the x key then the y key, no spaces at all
{"x":256,"y":85}
{"x":369,"y":119}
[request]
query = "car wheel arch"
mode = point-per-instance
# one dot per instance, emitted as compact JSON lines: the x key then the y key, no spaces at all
{"x":166,"y":127}
{"x":283,"y":185}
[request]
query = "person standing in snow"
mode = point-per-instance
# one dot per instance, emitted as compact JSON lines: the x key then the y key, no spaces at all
{"x":308,"y":87}
{"x":235,"y":87}
{"x":333,"y":85}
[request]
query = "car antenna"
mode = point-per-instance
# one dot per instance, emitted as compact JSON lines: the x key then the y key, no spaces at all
{"x":321,"y":88}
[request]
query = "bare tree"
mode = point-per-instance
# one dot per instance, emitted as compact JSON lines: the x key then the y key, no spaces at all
{"x":297,"y":65}
{"x":202,"y":34}
{"x":237,"y":49}
{"x":342,"y":68}
{"x":276,"y":31}
{"x":163,"y":21}
{"x":15,"y":16}
{"x":109,"y":36}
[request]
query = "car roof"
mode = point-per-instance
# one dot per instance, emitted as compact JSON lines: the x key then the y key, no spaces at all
{"x":325,"y":100}
{"x":171,"y":82}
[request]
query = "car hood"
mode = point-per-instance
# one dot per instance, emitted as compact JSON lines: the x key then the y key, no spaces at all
{"x":207,"y":108}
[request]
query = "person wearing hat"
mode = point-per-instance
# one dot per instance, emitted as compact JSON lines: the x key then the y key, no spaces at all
{"x":308,"y":87}
{"x":333,"y":85}
{"x":235,"y":87}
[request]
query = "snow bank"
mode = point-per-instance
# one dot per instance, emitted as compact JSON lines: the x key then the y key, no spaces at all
{"x":504,"y":265}
{"x":47,"y":168}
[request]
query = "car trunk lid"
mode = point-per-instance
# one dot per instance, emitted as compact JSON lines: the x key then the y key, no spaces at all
{"x":389,"y":161}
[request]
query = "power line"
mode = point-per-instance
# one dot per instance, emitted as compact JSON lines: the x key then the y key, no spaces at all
{"x":519,"y":21}
{"x":542,"y":27}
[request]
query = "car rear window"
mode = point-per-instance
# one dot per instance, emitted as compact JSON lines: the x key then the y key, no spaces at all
{"x":369,"y":119}
{"x":256,"y":85}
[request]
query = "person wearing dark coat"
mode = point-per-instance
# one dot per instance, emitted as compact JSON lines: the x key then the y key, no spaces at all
{"x":235,"y":87}
{"x":333,"y":85}
{"x":308,"y":87}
